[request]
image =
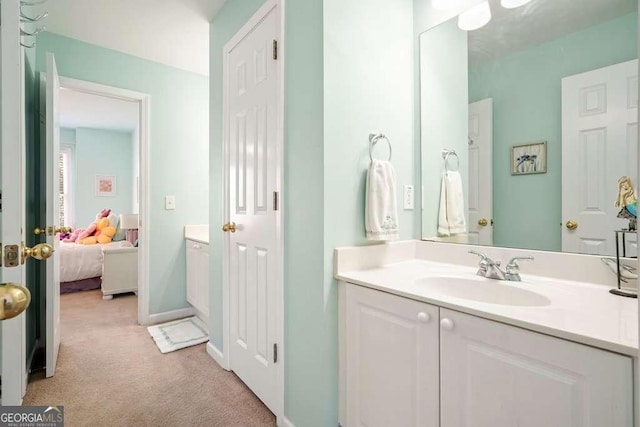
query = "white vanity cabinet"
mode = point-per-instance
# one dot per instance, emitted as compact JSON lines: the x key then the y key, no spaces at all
{"x":198,"y":277}
{"x":391,"y":349}
{"x":494,"y":374}
{"x":408,"y":363}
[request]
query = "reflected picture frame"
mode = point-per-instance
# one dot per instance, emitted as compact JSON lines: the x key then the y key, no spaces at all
{"x":530,"y":158}
{"x":105,"y":185}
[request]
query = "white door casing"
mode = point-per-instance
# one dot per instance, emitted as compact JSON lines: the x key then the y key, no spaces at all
{"x":52,"y":306}
{"x":481,"y":171}
{"x":12,"y":215}
{"x":144,"y":135}
{"x":599,"y":145}
{"x":252,"y":283}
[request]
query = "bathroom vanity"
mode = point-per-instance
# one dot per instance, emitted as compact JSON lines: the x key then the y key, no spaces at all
{"x":197,"y":253}
{"x":429,"y":343}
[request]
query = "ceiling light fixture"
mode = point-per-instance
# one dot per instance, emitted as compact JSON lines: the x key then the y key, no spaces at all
{"x":476,"y":17}
{"x":512,"y":4}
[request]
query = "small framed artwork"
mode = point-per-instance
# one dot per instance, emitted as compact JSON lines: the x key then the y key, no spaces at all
{"x":529,"y":158}
{"x":105,"y":185}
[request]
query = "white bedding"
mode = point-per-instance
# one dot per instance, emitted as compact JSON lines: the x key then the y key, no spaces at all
{"x":79,"y":262}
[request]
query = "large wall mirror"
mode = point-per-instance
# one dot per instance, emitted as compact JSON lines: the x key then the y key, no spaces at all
{"x":529,"y":123}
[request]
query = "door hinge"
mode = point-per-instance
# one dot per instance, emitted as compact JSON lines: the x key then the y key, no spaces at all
{"x":275,"y":49}
{"x":276,"y":200}
{"x":275,"y":353}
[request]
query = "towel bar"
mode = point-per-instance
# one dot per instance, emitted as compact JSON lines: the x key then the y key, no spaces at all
{"x":445,"y":155}
{"x":373,"y":140}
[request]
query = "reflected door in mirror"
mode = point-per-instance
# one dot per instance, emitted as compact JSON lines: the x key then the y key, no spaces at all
{"x":599,"y":145}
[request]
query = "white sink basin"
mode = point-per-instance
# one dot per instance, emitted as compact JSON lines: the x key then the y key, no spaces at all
{"x":483,"y":290}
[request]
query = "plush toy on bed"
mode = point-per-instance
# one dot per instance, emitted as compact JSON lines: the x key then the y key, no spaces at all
{"x":100,"y":231}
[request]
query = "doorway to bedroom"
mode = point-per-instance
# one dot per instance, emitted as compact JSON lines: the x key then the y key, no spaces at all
{"x":99,"y":192}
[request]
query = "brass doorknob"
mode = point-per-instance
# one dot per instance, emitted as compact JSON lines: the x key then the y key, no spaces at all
{"x":571,"y":225}
{"x":14,"y":299}
{"x":230,"y":226}
{"x":40,"y":251}
{"x":482,"y":222}
{"x":51,"y":230}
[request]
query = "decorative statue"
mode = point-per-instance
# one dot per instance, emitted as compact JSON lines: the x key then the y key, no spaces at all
{"x":627,"y":202}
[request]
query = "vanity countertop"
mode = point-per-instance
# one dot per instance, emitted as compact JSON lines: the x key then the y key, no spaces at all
{"x":582,"y":312}
{"x":197,"y":233}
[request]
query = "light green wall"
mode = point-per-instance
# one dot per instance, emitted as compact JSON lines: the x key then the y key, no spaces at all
{"x":102,"y":152}
{"x":526,"y":92}
{"x":178,"y":149}
{"x":444,"y":114}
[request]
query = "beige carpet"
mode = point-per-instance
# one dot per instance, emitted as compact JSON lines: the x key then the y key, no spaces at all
{"x":111,"y":373}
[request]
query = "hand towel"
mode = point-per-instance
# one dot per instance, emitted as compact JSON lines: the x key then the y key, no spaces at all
{"x":451,"y":217}
{"x":381,"y":211}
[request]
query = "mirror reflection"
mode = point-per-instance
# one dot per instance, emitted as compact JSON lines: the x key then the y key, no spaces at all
{"x":529,"y":126}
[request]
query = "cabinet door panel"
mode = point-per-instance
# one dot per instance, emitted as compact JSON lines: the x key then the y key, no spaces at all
{"x":392,"y":360}
{"x":495,"y":375}
{"x":204,"y":280}
{"x":192,"y":272}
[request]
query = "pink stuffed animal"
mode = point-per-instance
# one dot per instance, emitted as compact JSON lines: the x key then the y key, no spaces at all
{"x":73,"y":236}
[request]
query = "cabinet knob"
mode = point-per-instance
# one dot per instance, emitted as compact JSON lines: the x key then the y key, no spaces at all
{"x":423,"y":317}
{"x":446,"y":324}
{"x":196,"y":246}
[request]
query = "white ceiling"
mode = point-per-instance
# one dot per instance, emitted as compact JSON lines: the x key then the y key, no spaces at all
{"x":172,"y":32}
{"x":511,"y":30}
{"x":79,"y":109}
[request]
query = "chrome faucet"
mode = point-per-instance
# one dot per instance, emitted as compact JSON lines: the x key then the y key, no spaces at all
{"x":491,"y":269}
{"x":512,"y":271}
{"x":488,"y":267}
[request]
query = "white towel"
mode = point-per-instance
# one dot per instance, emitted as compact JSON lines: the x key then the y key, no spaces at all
{"x":451,"y":217}
{"x":381,"y":211}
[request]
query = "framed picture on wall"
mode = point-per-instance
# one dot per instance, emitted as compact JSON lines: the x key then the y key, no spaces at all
{"x":529,"y":158}
{"x":105,"y":185}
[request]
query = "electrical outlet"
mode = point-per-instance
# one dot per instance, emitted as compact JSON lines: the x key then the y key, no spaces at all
{"x":409,"y":197}
{"x":169,"y":202}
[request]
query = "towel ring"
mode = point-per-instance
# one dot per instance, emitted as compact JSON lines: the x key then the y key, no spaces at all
{"x":373,"y":140}
{"x":446,"y":154}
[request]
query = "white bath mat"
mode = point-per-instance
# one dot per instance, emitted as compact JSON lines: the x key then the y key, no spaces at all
{"x":178,"y":334}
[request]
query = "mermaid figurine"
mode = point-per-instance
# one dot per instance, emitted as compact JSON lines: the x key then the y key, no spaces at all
{"x":627,"y":202}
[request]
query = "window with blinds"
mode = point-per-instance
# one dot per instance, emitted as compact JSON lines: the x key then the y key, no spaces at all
{"x":64,"y":195}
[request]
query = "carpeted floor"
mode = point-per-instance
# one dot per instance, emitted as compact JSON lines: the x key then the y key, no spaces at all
{"x":111,"y":373}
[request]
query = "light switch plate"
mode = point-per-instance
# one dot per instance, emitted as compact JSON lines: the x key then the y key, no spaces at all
{"x":169,"y":202}
{"x":409,"y":197}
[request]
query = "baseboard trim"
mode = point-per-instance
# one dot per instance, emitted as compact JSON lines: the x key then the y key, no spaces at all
{"x":216,"y":355}
{"x":171,"y":315}
{"x":284,"y":422}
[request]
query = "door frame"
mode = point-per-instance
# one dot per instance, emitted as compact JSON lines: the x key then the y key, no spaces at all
{"x":279,"y":286}
{"x":12,"y":144}
{"x":144,"y":101}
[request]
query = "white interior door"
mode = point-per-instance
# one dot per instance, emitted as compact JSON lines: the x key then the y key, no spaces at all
{"x":12,"y":214}
{"x":251,"y":91}
{"x":480,"y":172}
{"x":599,"y":145}
{"x":53,"y":214}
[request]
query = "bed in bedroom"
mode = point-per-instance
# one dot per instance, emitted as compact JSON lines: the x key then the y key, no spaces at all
{"x":81,"y":265}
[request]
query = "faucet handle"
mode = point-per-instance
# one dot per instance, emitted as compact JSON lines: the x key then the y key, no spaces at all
{"x":513,"y":262}
{"x":485,"y":259}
